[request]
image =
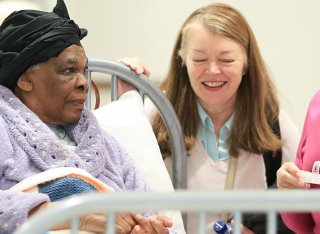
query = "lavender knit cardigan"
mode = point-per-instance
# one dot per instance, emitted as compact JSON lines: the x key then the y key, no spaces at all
{"x":28,"y":146}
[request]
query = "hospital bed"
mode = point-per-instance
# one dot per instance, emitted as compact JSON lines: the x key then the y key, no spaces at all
{"x":235,"y":202}
{"x":146,"y":88}
{"x":269,"y":202}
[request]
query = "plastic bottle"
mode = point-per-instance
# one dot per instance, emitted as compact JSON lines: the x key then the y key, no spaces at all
{"x":220,"y":227}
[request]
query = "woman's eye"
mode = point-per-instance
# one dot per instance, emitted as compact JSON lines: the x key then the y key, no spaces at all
{"x":199,"y":60}
{"x":85,"y":70}
{"x":70,"y":70}
{"x":227,"y":60}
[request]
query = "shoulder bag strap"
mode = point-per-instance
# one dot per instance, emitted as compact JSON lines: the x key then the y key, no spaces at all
{"x":233,"y":161}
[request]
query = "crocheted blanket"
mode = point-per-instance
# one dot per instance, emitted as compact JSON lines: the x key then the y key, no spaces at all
{"x":59,"y":183}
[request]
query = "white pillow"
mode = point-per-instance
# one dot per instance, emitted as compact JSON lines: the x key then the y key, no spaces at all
{"x":126,"y":120}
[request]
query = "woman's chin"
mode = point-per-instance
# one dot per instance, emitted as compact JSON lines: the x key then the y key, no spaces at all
{"x":72,"y":118}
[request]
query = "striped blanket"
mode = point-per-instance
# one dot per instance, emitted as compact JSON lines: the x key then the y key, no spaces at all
{"x":59,"y":183}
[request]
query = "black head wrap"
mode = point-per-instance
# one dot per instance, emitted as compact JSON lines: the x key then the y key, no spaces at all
{"x":28,"y":37}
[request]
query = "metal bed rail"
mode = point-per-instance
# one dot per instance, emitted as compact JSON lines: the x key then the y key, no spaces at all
{"x":237,"y":202}
{"x":148,"y":88}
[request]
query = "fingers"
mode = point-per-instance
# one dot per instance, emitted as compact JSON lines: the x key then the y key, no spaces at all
{"x":141,"y":221}
{"x":137,"y":230}
{"x":96,"y":223}
{"x":125,"y":221}
{"x":154,"y":224}
{"x":158,"y":225}
{"x":167,"y":222}
{"x":123,"y":87}
{"x":93,"y":223}
{"x":135,"y":65}
{"x":288,"y":177}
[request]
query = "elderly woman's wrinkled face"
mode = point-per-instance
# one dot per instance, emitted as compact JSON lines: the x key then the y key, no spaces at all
{"x":58,"y":87}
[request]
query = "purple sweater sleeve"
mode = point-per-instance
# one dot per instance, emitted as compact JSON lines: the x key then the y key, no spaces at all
{"x":15,"y":206}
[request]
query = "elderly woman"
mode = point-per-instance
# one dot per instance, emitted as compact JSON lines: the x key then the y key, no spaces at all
{"x":44,"y":124}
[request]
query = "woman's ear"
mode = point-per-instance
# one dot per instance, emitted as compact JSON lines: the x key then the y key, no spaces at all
{"x":244,"y":72}
{"x":245,"y":69}
{"x":25,"y":82}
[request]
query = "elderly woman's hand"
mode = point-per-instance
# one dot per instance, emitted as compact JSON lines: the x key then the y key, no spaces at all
{"x":135,"y":65}
{"x":156,"y":224}
{"x":96,"y":223}
{"x":289,"y":177}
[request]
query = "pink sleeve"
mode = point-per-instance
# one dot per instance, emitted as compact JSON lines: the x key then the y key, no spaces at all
{"x":307,"y":154}
{"x":299,"y":222}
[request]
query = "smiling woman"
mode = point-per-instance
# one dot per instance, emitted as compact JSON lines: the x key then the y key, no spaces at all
{"x":227,"y":105}
{"x":215,"y":70}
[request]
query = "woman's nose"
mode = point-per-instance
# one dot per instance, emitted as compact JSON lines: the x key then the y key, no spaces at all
{"x":82,"y":83}
{"x":213,"y":68}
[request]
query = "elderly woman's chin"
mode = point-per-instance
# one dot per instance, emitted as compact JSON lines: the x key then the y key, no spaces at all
{"x":72,"y":113}
{"x":70,"y":117}
{"x":74,"y":118}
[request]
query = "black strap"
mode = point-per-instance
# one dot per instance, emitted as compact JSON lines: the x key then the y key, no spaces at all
{"x":273,"y":162}
{"x":257,"y":222}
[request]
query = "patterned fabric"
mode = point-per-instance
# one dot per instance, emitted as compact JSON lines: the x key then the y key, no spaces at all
{"x":65,"y":187}
{"x":59,"y":183}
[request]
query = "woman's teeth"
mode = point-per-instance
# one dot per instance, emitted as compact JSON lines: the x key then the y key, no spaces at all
{"x":214,"y":84}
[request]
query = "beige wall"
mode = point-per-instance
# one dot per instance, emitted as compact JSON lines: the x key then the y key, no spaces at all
{"x":287,"y":32}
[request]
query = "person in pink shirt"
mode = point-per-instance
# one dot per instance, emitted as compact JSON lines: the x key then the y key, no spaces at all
{"x":289,"y":175}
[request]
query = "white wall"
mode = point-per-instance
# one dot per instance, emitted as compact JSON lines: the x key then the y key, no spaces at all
{"x":287,"y":31}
